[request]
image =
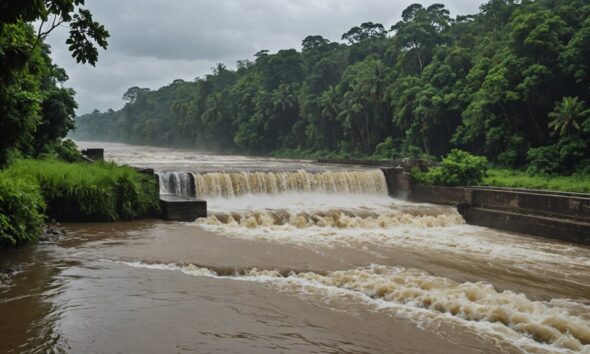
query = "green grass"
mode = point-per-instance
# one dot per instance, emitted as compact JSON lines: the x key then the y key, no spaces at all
{"x":21,"y":210}
{"x":520,"y":179}
{"x":89,"y":192}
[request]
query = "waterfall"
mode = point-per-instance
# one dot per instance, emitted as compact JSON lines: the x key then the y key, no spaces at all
{"x":176,"y":183}
{"x":236,"y":184}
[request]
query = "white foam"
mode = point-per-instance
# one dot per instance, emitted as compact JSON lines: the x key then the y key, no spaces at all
{"x":555,"y":326}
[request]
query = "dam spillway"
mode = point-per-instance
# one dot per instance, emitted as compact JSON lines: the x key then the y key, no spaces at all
{"x":235,"y":184}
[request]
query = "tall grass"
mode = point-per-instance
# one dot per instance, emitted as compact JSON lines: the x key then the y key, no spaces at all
{"x":90,"y":192}
{"x":21,"y":210}
{"x":520,"y":179}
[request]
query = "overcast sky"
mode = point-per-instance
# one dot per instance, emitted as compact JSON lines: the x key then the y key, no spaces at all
{"x":154,"y":42}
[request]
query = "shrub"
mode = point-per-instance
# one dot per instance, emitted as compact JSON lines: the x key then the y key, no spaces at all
{"x":21,"y":210}
{"x":90,"y":192}
{"x":543,"y":160}
{"x":459,"y":168}
{"x":514,"y":154}
{"x":68,"y":151}
{"x":384,"y":150}
{"x":563,"y":157}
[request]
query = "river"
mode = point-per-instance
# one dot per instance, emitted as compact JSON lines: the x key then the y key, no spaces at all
{"x":294,"y":257}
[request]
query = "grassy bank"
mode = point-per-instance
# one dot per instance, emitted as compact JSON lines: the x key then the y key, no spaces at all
{"x":520,"y":179}
{"x":21,"y":210}
{"x":89,"y":192}
{"x":70,"y":192}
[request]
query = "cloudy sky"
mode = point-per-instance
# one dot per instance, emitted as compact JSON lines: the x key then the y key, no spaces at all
{"x":154,"y":42}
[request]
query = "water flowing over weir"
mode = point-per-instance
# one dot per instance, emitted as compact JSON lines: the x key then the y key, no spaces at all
{"x":237,"y":184}
{"x":293,"y":257}
{"x":176,"y":183}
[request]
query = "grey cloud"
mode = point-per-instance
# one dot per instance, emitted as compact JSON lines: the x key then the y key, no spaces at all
{"x":154,"y":42}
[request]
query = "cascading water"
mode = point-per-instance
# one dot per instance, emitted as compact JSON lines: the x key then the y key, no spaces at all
{"x":175,"y":183}
{"x":237,"y":184}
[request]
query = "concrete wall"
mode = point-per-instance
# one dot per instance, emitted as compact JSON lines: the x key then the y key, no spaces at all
{"x":182,"y":209}
{"x":560,"y":206}
{"x":440,"y":195}
{"x":561,"y":229}
{"x":563,"y":216}
{"x":94,"y":154}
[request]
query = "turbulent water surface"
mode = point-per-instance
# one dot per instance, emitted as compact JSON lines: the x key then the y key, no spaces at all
{"x":294,"y":257}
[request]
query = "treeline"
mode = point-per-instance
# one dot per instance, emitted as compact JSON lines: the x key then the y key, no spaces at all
{"x":509,"y":82}
{"x":36,"y":110}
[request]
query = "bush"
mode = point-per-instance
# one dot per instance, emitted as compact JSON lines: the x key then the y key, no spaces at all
{"x":21,"y":210}
{"x":90,"y":192}
{"x":561,"y":158}
{"x":385,"y":150}
{"x":459,"y":168}
{"x":543,"y":160}
{"x":65,"y":150}
{"x":68,"y":151}
{"x":514,"y":154}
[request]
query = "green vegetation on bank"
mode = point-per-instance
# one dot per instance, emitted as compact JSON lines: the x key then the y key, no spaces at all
{"x":458,"y":168}
{"x":90,"y":192}
{"x":37,"y":112}
{"x":521,"y":179}
{"x":511,"y":83}
{"x":70,"y":192}
{"x":21,"y":210}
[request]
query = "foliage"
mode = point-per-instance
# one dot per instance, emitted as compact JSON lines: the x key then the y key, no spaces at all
{"x":459,"y":168}
{"x":85,"y":33}
{"x":568,"y":116}
{"x":385,"y":150}
{"x":68,"y":151}
{"x":519,"y":179}
{"x":21,"y":210}
{"x":496,"y":84}
{"x":561,"y":158}
{"x":35,"y":109}
{"x":85,"y":192}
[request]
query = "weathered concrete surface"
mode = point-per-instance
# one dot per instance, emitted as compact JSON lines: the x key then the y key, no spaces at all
{"x":551,"y":205}
{"x":94,"y":154}
{"x":440,"y":195}
{"x":561,"y":229}
{"x":542,"y":214}
{"x":176,"y":208}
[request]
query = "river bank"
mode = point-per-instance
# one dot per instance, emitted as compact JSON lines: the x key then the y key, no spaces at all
{"x":33,"y":190}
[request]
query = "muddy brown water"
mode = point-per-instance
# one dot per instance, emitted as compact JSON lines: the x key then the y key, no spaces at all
{"x":295,"y":271}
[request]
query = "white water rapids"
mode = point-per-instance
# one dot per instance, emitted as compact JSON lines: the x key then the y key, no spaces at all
{"x":332,"y":238}
{"x":353,"y":210}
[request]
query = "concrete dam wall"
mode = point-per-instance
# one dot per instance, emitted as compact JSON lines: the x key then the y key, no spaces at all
{"x":563,"y":216}
{"x":556,"y":215}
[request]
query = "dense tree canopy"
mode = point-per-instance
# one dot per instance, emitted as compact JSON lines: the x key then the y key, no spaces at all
{"x":510,"y":79}
{"x":35,"y":109}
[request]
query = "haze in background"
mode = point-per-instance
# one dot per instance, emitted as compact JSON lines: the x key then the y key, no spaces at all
{"x":155,"y":42}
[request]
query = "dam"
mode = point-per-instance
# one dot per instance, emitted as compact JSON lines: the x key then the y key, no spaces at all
{"x":296,"y":257}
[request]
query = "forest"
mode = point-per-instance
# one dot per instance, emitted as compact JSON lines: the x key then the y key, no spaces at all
{"x":510,"y":83}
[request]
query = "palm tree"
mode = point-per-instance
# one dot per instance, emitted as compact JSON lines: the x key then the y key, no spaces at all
{"x":566,"y":116}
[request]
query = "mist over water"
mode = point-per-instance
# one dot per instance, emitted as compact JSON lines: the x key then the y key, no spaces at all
{"x":300,"y":257}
